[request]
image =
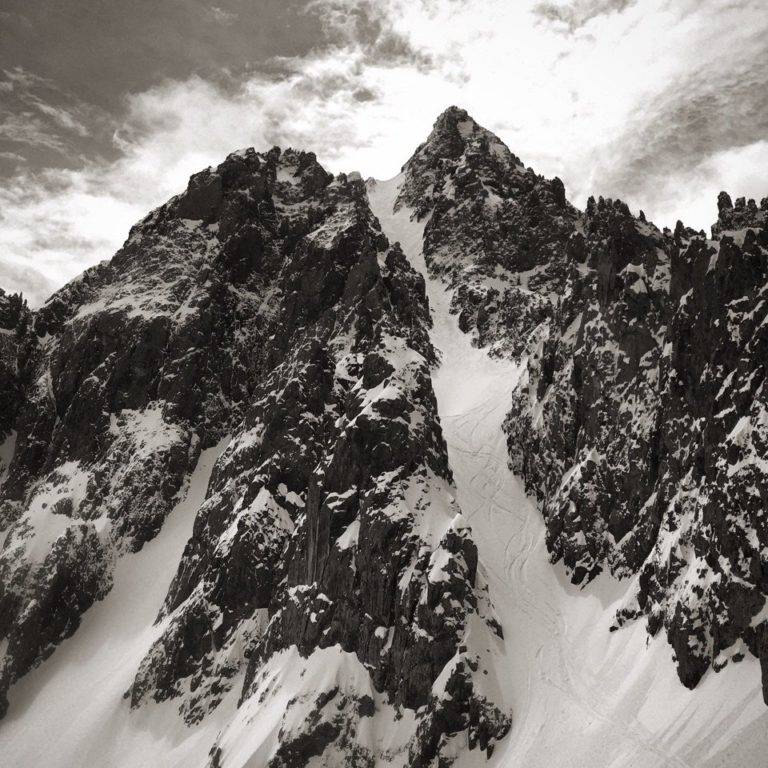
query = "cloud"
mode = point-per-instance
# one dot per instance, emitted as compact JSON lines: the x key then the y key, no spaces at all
{"x":660,"y":103}
{"x":686,"y":113}
{"x":28,"y":128}
{"x":54,"y":225}
{"x":369,"y":26}
{"x":222,"y":16}
{"x":37,"y":113}
{"x":57,"y":222}
{"x":574,"y":15}
{"x":13,"y":157}
{"x":60,"y":116}
{"x":681,"y":131}
{"x":694,"y":189}
{"x":18,"y":278}
{"x":24,"y":80}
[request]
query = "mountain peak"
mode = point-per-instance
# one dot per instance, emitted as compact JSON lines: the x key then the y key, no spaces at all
{"x":454,"y":126}
{"x":453,"y":115}
{"x":455,"y":134}
{"x":457,"y":148}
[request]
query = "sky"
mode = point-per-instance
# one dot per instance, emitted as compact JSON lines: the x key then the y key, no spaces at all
{"x":107,"y":107}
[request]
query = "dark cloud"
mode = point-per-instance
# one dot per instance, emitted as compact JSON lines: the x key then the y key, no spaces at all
{"x":60,"y":116}
{"x":37,"y":115}
{"x":369,"y":25}
{"x":572,"y":16}
{"x":121,"y":101}
{"x":70,"y":66}
{"x":14,"y":157}
{"x":364,"y":94}
{"x":718,"y":109}
{"x":101,"y":51}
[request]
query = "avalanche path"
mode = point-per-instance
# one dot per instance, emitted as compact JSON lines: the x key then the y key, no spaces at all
{"x":580,"y":695}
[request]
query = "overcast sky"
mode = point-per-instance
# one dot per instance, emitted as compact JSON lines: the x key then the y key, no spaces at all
{"x":107,"y":107}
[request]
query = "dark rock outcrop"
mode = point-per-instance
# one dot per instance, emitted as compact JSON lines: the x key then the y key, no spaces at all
{"x":497,"y":232}
{"x":266,"y":305}
{"x":127,"y":373}
{"x":14,"y":322}
{"x":641,"y":425}
{"x":328,"y":520}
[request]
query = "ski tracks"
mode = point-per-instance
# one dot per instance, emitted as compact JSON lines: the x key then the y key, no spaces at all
{"x":564,"y":714}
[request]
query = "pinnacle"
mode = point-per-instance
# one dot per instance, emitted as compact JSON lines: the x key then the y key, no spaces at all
{"x":453,"y":115}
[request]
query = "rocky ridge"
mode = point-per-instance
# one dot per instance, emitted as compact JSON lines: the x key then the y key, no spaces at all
{"x":263,"y":303}
{"x":641,"y":426}
{"x":640,"y":421}
{"x":497,"y":232}
{"x":330,"y":576}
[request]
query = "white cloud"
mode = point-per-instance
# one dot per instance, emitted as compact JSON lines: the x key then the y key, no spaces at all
{"x":583,"y":105}
{"x":62,"y":117}
{"x":740,"y":170}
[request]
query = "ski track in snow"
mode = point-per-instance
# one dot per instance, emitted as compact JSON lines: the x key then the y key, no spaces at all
{"x":580,"y":695}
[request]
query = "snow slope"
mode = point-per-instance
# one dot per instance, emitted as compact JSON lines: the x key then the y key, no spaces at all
{"x":580,"y":695}
{"x":70,"y":712}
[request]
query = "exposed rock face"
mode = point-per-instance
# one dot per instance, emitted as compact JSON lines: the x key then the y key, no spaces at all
{"x":263,"y":303}
{"x":497,"y":232}
{"x":128,"y":372}
{"x":330,"y":518}
{"x":639,"y":423}
{"x":582,"y":426}
{"x":643,"y":429}
{"x":331,"y":579}
{"x":14,"y":319}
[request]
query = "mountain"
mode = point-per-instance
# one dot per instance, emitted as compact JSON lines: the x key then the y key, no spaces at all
{"x":300,"y":476}
{"x":642,"y":426}
{"x":497,"y":235}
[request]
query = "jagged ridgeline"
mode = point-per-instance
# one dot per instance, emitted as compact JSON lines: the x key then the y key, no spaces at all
{"x":642,"y":426}
{"x":263,"y":307}
{"x":331,"y":587}
{"x":641,"y":422}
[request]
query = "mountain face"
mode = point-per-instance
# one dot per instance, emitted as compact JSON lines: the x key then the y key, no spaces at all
{"x":330,"y":605}
{"x":642,"y":426}
{"x":263,"y":303}
{"x":497,"y":233}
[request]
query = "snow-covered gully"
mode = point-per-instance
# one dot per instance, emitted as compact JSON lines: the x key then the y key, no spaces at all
{"x":580,"y":695}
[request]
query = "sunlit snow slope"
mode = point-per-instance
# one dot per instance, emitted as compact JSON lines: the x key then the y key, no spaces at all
{"x":70,"y":712}
{"x":580,"y":695}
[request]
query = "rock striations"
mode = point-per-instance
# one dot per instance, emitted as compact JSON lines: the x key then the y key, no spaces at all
{"x":331,"y":578}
